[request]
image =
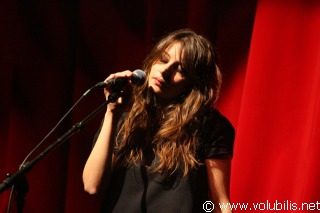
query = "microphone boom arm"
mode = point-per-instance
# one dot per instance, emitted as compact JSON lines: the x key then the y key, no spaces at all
{"x":9,"y":181}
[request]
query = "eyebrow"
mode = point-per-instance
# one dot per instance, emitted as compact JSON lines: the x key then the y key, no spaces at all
{"x":179,"y":63}
{"x":165,"y":53}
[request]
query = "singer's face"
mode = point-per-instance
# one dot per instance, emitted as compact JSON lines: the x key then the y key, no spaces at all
{"x":166,"y":78}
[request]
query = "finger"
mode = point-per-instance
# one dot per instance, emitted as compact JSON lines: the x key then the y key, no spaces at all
{"x":106,"y":92}
{"x":123,"y":74}
{"x":119,"y":100}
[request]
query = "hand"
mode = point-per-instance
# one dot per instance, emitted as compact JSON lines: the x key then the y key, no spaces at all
{"x":125,"y":94}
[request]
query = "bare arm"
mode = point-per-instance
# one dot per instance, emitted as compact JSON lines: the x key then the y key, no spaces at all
{"x":97,"y":170}
{"x":219,"y":182}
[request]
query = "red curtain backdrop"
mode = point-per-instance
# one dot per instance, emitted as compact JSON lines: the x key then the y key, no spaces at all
{"x":277,"y":145}
{"x":269,"y":50}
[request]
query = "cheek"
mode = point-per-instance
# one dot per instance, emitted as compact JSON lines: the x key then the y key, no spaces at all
{"x":149,"y":76}
{"x":181,"y":81}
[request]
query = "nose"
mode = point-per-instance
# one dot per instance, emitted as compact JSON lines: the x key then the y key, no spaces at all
{"x":165,"y":70}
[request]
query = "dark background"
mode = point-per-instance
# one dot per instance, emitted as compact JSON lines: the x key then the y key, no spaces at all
{"x":51,"y":52}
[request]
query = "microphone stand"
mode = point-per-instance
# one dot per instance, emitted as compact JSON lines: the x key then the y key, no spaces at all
{"x":19,"y":180}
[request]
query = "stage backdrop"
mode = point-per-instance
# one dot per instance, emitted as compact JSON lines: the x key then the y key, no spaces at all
{"x":51,"y":52}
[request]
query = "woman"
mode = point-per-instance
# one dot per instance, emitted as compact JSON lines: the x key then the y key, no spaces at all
{"x":172,"y":151}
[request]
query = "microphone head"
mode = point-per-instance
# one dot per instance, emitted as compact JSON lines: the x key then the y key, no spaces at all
{"x":138,"y":78}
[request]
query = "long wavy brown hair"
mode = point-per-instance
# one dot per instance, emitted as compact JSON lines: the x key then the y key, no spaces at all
{"x":175,"y":139}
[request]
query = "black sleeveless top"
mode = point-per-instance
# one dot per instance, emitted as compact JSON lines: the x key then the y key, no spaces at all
{"x":136,"y":190}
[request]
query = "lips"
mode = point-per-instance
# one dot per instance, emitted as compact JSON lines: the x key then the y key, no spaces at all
{"x":159,"y":81}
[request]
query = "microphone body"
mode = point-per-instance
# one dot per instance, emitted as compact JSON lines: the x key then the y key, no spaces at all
{"x":138,"y":78}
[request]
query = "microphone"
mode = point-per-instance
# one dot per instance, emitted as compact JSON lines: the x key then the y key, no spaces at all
{"x":138,"y":78}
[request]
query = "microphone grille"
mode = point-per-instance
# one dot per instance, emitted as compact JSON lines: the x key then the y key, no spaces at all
{"x":138,"y":77}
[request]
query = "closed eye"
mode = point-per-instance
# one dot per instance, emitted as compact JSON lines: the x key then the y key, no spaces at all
{"x":163,"y":60}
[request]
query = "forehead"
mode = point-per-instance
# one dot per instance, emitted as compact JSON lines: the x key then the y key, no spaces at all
{"x":174,"y":50}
